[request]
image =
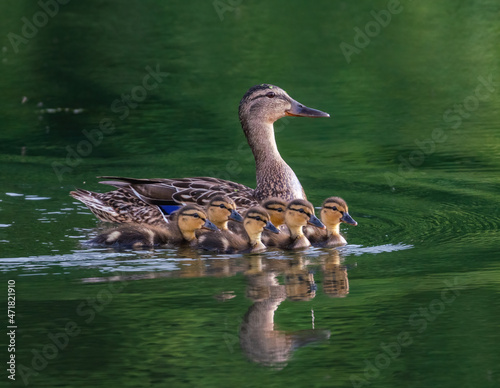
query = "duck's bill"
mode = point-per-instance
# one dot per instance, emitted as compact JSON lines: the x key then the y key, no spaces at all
{"x":299,"y":110}
{"x":269,"y":226}
{"x":348,"y":219}
{"x":235,"y":216}
{"x":316,"y":222}
{"x":208,"y":225}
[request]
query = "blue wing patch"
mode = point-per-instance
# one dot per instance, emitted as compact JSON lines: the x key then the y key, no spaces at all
{"x":169,"y":209}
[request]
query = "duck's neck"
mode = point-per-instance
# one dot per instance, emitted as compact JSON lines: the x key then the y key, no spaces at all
{"x":255,"y":241}
{"x":298,"y":238}
{"x":188,"y":235}
{"x":333,"y":235}
{"x":274,"y":177}
{"x":221,"y":225}
{"x":332,"y":230}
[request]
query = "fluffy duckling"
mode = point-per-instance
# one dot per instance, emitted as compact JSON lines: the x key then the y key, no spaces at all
{"x":275,"y":207}
{"x":220,"y":210}
{"x":185,"y":222}
{"x":333,"y":212}
{"x":298,"y":214}
{"x":255,"y":221}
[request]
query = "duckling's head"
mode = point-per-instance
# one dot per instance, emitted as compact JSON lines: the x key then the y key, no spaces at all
{"x":299,"y":213}
{"x":334,"y":211}
{"x":191,"y":218}
{"x":268,"y":103}
{"x":256,"y":220}
{"x":275,"y":207}
{"x":221,"y":209}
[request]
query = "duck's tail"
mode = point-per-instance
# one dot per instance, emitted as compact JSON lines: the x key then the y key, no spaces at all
{"x":97,"y":205}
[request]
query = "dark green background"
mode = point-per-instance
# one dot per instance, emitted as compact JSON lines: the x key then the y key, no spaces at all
{"x":170,"y":331}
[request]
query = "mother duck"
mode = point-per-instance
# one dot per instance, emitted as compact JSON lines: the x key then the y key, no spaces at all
{"x":149,"y":200}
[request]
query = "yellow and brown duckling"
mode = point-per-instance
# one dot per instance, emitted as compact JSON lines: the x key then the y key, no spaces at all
{"x":220,"y":210}
{"x":184,"y":223}
{"x":255,"y":221}
{"x":298,"y":214}
{"x":333,"y":212}
{"x":275,"y":207}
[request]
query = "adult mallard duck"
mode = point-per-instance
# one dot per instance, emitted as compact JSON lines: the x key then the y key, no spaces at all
{"x":185,"y":222}
{"x":298,"y":214}
{"x":255,"y":221}
{"x":333,"y":211}
{"x":146,"y":200}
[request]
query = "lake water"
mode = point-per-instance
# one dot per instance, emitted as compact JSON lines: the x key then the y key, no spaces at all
{"x":412,"y":145}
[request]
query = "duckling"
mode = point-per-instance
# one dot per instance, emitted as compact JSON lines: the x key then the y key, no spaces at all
{"x":333,"y":212}
{"x":185,"y":222}
{"x":220,"y":210}
{"x":298,"y":214}
{"x":255,"y":221}
{"x":275,"y":207}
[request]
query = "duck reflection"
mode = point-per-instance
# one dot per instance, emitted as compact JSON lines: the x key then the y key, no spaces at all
{"x":260,"y":340}
{"x":335,"y":280}
{"x":270,"y":281}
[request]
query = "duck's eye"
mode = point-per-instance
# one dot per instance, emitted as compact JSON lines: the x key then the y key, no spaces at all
{"x":222,"y":206}
{"x":196,"y":215}
{"x":258,"y":218}
{"x":271,"y":94}
{"x":279,"y":210}
{"x":301,"y":211}
{"x":334,"y":208}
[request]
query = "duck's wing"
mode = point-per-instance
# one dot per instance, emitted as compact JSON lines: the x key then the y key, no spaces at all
{"x":182,"y":191}
{"x":120,"y":206}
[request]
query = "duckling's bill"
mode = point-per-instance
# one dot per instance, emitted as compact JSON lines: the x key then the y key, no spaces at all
{"x":235,"y":216}
{"x":269,"y":226}
{"x":348,"y":219}
{"x":313,"y":220}
{"x":209,"y":225}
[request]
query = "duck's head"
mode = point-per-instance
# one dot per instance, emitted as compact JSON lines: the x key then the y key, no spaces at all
{"x":275,"y":207}
{"x":268,"y":103}
{"x":299,"y":213}
{"x":191,"y":218}
{"x":334,"y":211}
{"x":221,"y":209}
{"x":256,"y":220}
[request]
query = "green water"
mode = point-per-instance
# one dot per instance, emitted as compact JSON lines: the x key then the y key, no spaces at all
{"x":412,"y":145}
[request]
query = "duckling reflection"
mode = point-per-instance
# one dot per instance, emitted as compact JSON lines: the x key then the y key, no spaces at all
{"x":259,"y":339}
{"x":335,"y":280}
{"x":299,"y":281}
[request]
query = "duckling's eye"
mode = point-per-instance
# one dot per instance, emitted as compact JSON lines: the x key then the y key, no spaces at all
{"x":334,"y":208}
{"x":222,"y":206}
{"x":301,"y":211}
{"x":279,"y":210}
{"x":196,"y":215}
{"x":258,"y":218}
{"x":271,"y":94}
